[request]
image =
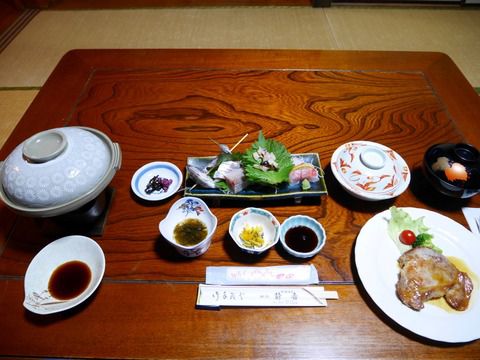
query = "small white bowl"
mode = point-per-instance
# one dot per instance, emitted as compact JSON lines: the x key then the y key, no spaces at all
{"x":69,"y":248}
{"x":306,"y":221}
{"x":185,"y":208}
{"x":163,"y":169}
{"x":370,"y":171}
{"x":255,"y":217}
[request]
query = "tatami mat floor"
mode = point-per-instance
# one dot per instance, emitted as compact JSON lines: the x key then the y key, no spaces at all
{"x":31,"y":56}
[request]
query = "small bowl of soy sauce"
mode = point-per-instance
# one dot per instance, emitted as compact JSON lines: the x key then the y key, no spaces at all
{"x":302,"y":236}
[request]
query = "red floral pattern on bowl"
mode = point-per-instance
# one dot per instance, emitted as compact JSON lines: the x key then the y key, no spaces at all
{"x":370,"y":171}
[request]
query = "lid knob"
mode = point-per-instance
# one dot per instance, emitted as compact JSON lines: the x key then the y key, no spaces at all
{"x":44,"y":146}
{"x":373,"y":158}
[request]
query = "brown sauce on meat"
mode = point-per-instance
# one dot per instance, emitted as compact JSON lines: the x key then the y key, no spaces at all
{"x":463,"y":267}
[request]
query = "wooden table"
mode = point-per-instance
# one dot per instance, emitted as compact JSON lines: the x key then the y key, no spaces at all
{"x":165,"y":105}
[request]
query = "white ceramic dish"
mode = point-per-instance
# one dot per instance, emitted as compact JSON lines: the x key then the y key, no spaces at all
{"x":61,"y":251}
{"x":255,"y":217}
{"x":163,"y":169}
{"x":185,"y":208}
{"x":58,"y":170}
{"x":302,"y":220}
{"x":370,"y":171}
{"x":376,"y":260}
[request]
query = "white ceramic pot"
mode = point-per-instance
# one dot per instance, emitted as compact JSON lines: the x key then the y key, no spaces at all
{"x":58,"y":170}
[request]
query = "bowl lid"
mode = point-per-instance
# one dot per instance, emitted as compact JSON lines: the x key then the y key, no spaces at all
{"x":58,"y":170}
{"x":369,"y":170}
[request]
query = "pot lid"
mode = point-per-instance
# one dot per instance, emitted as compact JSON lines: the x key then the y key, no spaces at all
{"x":59,"y":169}
{"x":369,"y":170}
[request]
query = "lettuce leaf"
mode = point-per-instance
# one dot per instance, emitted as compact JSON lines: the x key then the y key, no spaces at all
{"x":400,"y":221}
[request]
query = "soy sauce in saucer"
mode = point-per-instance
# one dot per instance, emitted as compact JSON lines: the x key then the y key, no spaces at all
{"x":301,"y":239}
{"x":69,"y":280}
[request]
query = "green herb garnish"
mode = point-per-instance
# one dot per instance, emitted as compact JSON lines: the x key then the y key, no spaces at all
{"x":425,"y":240}
{"x":267,"y":162}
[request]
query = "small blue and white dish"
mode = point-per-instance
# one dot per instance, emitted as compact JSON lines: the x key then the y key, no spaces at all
{"x":159,"y":169}
{"x":302,"y":236}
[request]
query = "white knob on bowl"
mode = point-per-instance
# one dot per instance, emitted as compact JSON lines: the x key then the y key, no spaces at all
{"x":373,"y":158}
{"x":44,"y":146}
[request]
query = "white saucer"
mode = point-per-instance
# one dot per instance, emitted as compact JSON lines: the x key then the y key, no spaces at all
{"x":66,"y":249}
{"x":163,"y":169}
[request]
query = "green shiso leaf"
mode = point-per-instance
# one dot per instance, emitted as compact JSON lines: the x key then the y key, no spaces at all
{"x":222,"y":186}
{"x":269,"y":177}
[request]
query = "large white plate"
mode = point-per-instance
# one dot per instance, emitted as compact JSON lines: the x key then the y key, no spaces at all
{"x":376,"y":259}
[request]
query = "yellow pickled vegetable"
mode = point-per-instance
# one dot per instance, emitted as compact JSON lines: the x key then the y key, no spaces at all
{"x":252,"y":236}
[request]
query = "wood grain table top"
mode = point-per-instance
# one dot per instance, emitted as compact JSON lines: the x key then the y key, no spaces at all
{"x":166,"y":105}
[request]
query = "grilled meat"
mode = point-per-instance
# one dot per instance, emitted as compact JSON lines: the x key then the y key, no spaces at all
{"x":426,"y":274}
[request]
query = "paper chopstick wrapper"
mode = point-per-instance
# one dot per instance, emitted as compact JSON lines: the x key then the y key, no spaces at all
{"x":471,"y":214}
{"x":267,"y":275}
{"x":216,"y":296}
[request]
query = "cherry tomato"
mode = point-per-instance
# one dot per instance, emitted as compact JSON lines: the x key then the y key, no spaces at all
{"x":407,"y":237}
